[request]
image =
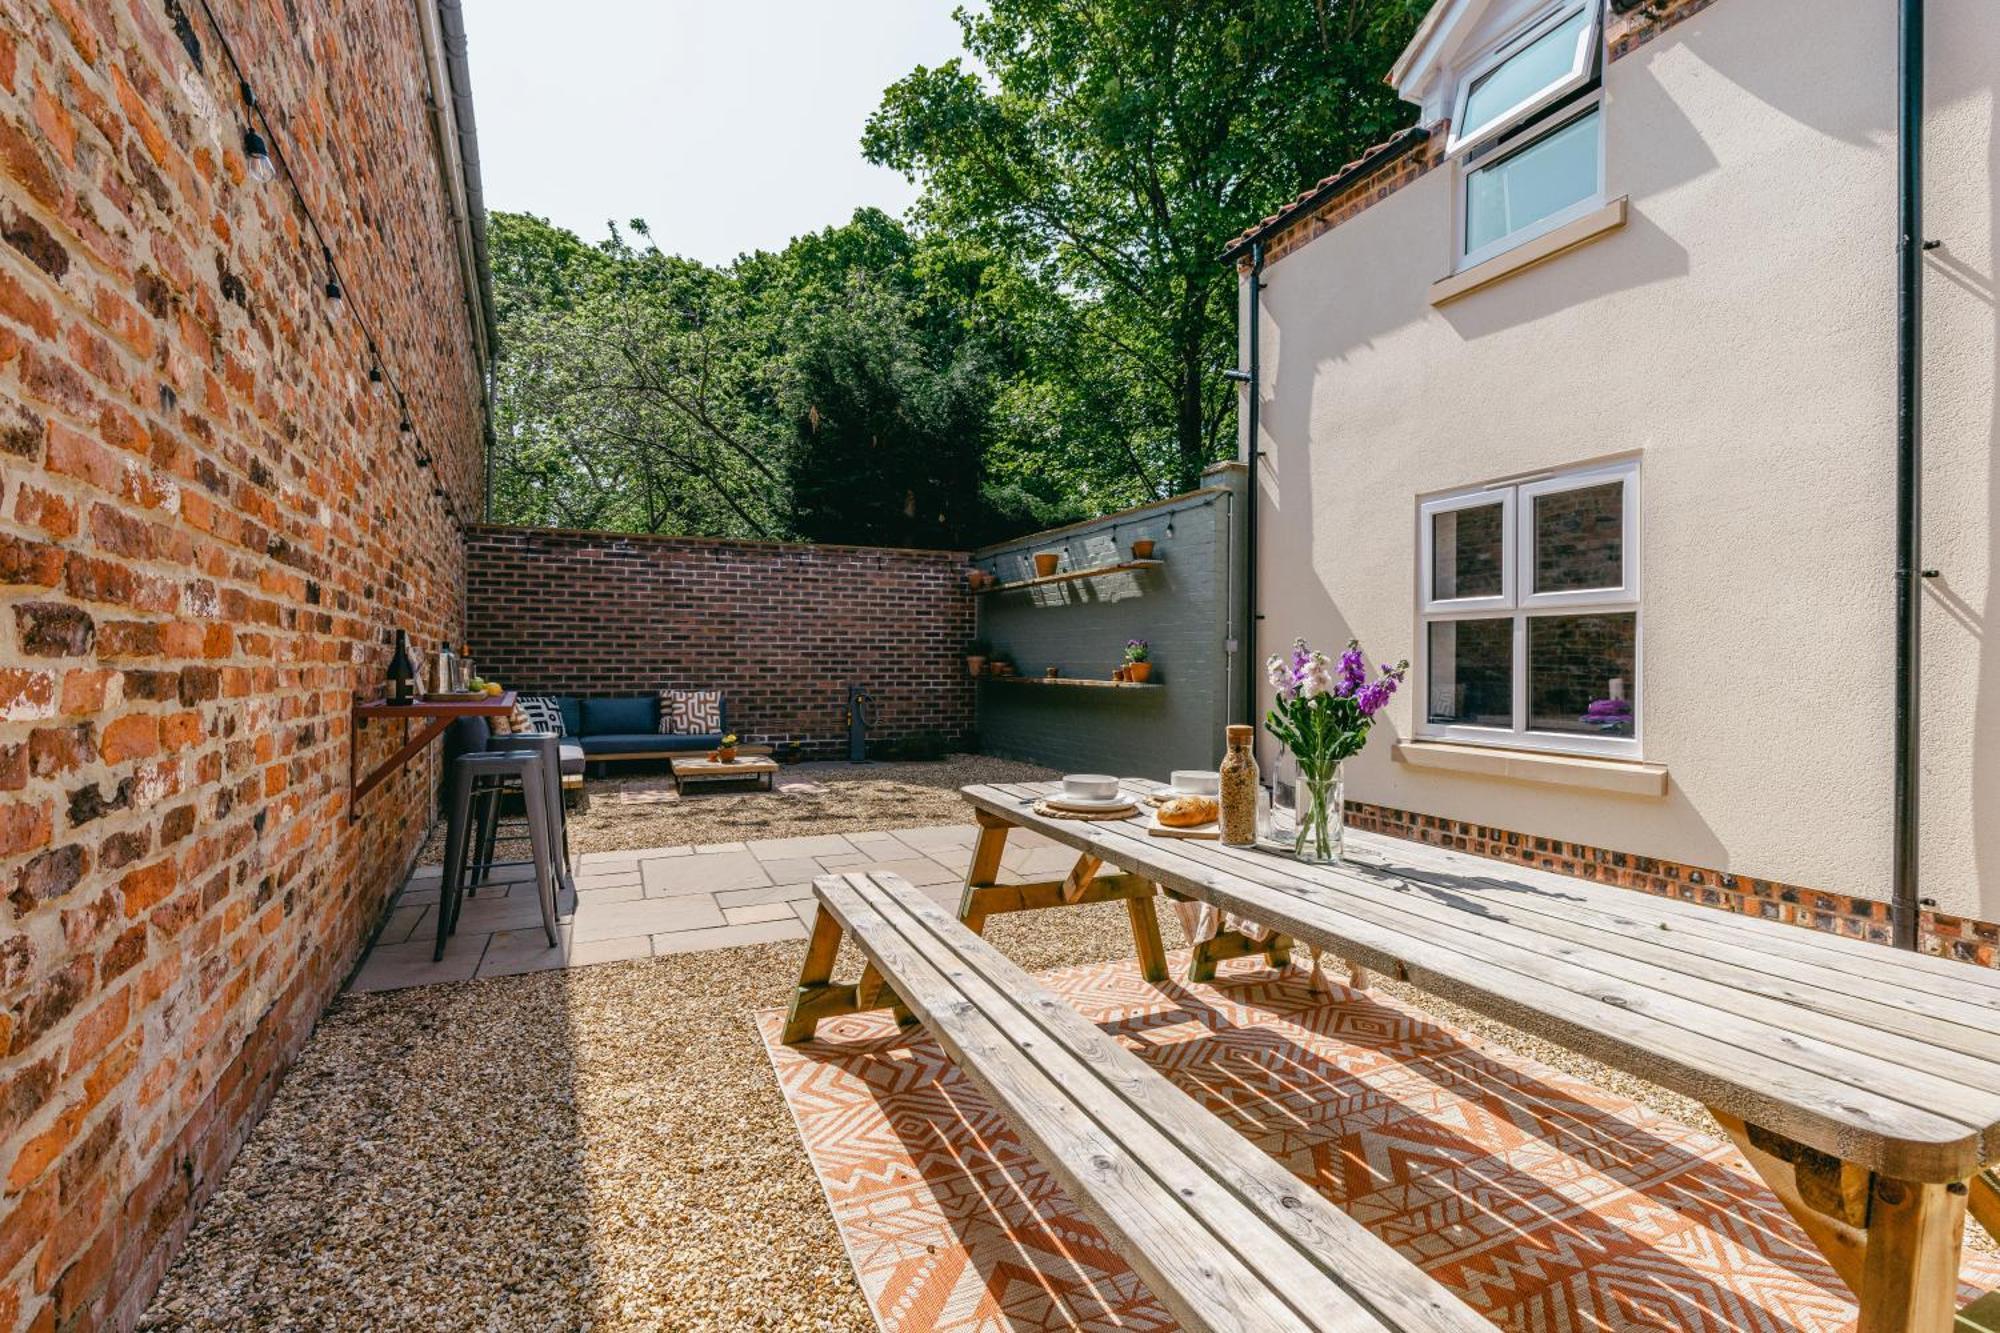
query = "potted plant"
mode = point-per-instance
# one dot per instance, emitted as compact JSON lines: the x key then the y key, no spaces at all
{"x":1322,"y":717}
{"x":726,"y":752}
{"x":1046,"y":562}
{"x":1142,"y":548}
{"x":1138,"y":660}
{"x":976,"y":654}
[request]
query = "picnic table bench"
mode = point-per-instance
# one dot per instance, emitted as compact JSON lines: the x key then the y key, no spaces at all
{"x":1225,"y":1237}
{"x":1861,"y":1083}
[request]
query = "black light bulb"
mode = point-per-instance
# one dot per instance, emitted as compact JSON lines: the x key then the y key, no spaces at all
{"x":257,"y":158}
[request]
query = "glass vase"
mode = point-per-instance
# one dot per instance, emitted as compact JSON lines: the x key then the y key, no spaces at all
{"x":1321,"y":816}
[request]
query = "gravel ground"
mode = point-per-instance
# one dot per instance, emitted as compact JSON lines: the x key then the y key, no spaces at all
{"x":855,"y":799}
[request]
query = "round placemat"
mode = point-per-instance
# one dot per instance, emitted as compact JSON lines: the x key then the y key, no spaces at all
{"x":1048,"y":811}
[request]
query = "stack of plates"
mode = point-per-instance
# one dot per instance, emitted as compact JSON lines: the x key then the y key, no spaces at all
{"x":1089,"y":794}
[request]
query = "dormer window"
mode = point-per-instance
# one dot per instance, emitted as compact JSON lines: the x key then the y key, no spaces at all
{"x":1529,"y":134}
{"x":1546,"y":61}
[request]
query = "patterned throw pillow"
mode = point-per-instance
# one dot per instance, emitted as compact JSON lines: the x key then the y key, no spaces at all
{"x":690,"y":712}
{"x":543,"y":712}
{"x":512,"y":722}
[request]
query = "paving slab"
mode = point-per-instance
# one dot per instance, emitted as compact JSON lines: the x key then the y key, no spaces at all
{"x":920,"y":871}
{"x":514,"y":952}
{"x":404,"y":920}
{"x":804,"y":845}
{"x":648,"y":916}
{"x":793,"y":869}
{"x":773,"y":893}
{"x":394,"y":966}
{"x":751,"y":915}
{"x":728,"y":937}
{"x":704,"y":874}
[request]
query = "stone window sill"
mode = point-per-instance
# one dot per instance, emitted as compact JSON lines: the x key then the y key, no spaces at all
{"x":1530,"y":253}
{"x":1622,"y":777}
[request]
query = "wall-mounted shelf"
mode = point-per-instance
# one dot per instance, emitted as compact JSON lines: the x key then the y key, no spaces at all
{"x":1084,"y":681}
{"x":1072,"y":575}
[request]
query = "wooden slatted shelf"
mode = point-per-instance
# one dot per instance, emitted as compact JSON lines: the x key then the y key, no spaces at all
{"x":1076,"y":680}
{"x":1072,"y":575}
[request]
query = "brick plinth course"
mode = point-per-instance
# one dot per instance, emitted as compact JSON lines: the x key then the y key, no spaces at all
{"x":782,"y":629}
{"x":209,"y":524}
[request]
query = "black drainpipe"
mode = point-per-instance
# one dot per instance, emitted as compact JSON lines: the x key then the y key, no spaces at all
{"x":1253,"y":376}
{"x":1905,"y":904}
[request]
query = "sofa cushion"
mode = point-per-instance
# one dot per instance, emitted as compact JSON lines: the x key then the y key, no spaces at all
{"x":621,"y":717}
{"x":543,"y":712}
{"x":691,"y":712}
{"x":649,"y":743}
{"x":571,"y":753}
{"x":571,"y":708}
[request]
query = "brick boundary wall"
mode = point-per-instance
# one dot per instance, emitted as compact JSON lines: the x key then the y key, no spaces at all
{"x":1970,"y":941}
{"x":209,"y":523}
{"x":781,"y":628}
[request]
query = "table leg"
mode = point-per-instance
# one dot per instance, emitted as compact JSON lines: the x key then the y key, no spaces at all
{"x":1226,"y":944}
{"x":1146,"y":939}
{"x":984,"y":869}
{"x":815,"y":998}
{"x":1909,"y":1278}
{"x":1079,"y":877}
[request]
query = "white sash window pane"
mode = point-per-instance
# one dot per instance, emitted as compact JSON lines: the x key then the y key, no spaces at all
{"x":1550,"y":59}
{"x":1470,"y":668}
{"x":1468,"y":549}
{"x":1580,"y":538}
{"x":1580,"y":673}
{"x":1555,"y":172}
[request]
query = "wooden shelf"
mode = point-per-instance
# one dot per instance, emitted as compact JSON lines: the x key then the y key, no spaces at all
{"x":1072,"y":575}
{"x":1084,"y":681}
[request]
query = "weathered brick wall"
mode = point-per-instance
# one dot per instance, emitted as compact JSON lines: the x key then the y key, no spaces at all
{"x":208,"y":525}
{"x":782,"y":629}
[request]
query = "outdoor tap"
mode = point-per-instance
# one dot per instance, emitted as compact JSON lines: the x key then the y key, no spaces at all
{"x":860,"y":716}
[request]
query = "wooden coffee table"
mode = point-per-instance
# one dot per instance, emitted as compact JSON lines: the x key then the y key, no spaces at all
{"x":745,"y":766}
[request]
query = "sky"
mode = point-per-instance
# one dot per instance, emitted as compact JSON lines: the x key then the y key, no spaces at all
{"x":728,"y":127}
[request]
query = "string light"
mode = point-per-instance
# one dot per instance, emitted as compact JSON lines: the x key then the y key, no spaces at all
{"x":263,"y":160}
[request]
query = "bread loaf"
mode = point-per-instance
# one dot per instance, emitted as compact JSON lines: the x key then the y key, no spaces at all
{"x":1188,"y":811}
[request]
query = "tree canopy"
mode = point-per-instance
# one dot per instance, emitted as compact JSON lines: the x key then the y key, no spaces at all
{"x":1041,"y":340}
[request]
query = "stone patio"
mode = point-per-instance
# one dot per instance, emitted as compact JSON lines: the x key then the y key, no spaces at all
{"x":665,"y":900}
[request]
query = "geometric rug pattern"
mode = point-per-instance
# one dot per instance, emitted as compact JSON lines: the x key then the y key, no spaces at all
{"x":1546,"y":1203}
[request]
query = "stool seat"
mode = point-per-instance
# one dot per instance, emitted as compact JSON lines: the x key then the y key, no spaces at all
{"x":479,"y":773}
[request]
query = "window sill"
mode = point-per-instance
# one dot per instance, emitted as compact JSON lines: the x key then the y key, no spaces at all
{"x":1623,"y":777}
{"x":1530,"y":253}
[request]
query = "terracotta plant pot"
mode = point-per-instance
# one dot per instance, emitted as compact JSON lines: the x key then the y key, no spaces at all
{"x":1137,"y":672}
{"x":1046,"y":562}
{"x":1118,"y":673}
{"x":1142,"y":549}
{"x":1052,"y":673}
{"x":975,"y":666}
{"x":726,"y":755}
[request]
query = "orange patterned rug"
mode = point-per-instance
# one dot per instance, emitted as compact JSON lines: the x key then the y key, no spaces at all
{"x":1547,"y":1203}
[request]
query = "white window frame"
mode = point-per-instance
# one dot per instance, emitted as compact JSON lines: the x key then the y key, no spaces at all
{"x":1523,"y":604}
{"x":1583,"y":66}
{"x":1590,"y":203}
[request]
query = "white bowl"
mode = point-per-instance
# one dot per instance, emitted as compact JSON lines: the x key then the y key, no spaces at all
{"x":1090,"y":787}
{"x":1196,"y":781}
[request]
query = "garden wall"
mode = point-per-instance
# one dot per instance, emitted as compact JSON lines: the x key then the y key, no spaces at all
{"x":1188,"y":610}
{"x":781,"y":628}
{"x":209,"y":523}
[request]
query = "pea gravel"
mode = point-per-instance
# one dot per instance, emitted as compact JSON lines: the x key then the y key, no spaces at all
{"x":600,"y":1149}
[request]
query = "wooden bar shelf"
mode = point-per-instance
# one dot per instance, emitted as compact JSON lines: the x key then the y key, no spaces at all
{"x":1084,"y":681}
{"x":1072,"y":575}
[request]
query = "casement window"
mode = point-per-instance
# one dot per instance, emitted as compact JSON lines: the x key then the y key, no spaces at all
{"x":1528,"y":135}
{"x":1528,"y":612}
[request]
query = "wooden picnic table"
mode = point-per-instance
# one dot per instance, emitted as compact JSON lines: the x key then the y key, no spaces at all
{"x":1862,"y":1083}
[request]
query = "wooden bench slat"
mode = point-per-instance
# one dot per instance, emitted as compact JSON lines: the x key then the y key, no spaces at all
{"x":1346,"y":1252}
{"x":1193,"y":1188}
{"x":1201,"y":1280}
{"x":1840,"y":1099}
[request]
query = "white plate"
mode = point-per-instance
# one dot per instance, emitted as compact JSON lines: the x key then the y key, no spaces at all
{"x":1061,"y":802}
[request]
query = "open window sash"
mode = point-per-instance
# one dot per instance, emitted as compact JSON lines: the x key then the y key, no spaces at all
{"x":1550,"y":59}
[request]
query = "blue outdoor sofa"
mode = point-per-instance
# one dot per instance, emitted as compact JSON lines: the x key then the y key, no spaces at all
{"x":602,"y":730}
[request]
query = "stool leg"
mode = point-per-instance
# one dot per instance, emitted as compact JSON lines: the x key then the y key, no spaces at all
{"x":457,"y":830}
{"x":489,"y":832}
{"x":540,"y":841}
{"x":558,"y":827}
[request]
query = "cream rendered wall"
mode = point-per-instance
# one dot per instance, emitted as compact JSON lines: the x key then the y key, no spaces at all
{"x":1738,"y":336}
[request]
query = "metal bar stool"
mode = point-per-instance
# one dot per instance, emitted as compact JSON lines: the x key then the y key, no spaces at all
{"x":471,"y":775}
{"x":549,"y":746}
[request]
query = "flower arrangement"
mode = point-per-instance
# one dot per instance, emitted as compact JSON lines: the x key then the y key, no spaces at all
{"x":1322,"y":716}
{"x":1137,"y":650}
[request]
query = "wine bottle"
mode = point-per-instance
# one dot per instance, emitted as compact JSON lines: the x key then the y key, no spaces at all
{"x":402,"y":672}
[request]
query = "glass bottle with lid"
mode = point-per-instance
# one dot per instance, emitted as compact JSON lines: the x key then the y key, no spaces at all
{"x":1239,"y":789}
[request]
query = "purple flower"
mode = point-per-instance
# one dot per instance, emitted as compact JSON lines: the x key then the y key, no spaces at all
{"x":1353,"y":675}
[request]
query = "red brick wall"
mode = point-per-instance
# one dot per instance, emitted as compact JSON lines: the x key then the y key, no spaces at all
{"x":208,"y":524}
{"x":781,"y":629}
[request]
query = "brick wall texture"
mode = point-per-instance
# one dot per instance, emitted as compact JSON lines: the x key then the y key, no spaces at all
{"x":209,"y":523}
{"x":781,"y":629}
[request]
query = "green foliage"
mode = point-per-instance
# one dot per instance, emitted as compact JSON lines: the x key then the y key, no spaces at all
{"x":1042,"y":342}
